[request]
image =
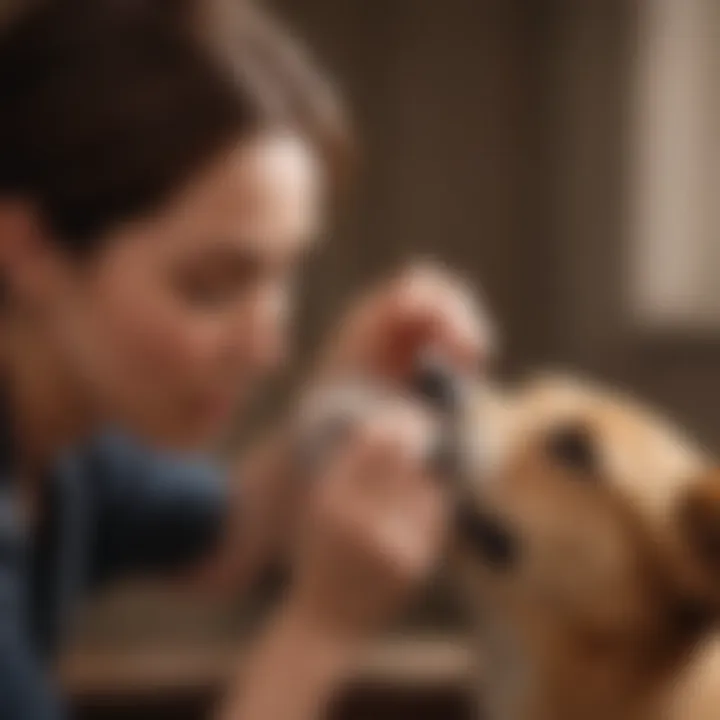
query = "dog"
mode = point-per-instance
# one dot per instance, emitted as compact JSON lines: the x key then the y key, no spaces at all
{"x":589,"y":556}
{"x":587,"y":545}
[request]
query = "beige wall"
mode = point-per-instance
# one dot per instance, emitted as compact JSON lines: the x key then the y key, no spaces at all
{"x":443,"y":97}
{"x":497,"y":137}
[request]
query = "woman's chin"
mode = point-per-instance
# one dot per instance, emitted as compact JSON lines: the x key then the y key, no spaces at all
{"x":184,"y":434}
{"x":184,"y":438}
{"x":204,"y":432}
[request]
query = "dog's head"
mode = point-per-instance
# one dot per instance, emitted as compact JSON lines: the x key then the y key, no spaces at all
{"x":586,"y":518}
{"x":578,"y":509}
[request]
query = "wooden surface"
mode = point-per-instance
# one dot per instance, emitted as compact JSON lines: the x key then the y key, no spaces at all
{"x":87,"y":673}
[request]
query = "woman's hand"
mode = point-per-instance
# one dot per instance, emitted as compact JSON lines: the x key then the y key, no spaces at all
{"x":374,"y":528}
{"x":425,"y":307}
{"x":375,"y":521}
{"x":372,"y":534}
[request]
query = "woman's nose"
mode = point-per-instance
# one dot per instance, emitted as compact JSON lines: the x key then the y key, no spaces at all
{"x":259,"y":336}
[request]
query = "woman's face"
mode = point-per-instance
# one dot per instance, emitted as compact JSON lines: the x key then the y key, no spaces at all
{"x":181,"y":313}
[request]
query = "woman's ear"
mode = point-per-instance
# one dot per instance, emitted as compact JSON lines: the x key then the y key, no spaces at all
{"x":28,"y":258}
{"x":18,"y":233}
{"x":699,"y":517}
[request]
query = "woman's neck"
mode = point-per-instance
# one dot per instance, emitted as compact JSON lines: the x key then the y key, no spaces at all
{"x":47,"y":411}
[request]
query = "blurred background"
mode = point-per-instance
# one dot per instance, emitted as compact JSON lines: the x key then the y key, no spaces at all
{"x":564,"y":155}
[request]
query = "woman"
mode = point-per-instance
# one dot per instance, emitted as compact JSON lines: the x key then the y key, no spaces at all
{"x":163,"y":169}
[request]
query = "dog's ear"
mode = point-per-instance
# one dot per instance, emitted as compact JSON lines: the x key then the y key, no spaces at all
{"x":699,"y":516}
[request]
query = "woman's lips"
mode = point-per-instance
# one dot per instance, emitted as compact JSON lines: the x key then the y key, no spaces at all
{"x":216,"y":408}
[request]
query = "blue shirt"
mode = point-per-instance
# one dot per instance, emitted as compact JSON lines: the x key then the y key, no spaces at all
{"x":111,"y":510}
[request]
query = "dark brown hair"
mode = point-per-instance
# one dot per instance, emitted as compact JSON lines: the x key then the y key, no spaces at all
{"x":107,"y":107}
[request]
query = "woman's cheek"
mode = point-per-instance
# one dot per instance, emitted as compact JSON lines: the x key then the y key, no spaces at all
{"x":175,"y":382}
{"x":267,"y":328}
{"x":156,"y":346}
{"x":184,"y":347}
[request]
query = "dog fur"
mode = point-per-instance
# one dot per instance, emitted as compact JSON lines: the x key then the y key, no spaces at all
{"x":608,"y":610}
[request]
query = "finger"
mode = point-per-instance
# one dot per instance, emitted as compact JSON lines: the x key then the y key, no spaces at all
{"x":436,"y":307}
{"x":410,"y":534}
{"x":433,"y":506}
{"x":427,"y":534}
{"x":460,"y":328}
{"x":360,"y":470}
{"x":408,"y":431}
{"x":381,"y":470}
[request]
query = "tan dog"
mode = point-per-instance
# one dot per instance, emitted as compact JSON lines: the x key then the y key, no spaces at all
{"x":590,"y":557}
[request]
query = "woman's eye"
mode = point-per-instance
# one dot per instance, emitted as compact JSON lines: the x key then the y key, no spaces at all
{"x":573,"y":447}
{"x":211,"y":282}
{"x":208,"y":292}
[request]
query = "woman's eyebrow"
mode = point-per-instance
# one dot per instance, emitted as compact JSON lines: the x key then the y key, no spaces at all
{"x":250,"y":254}
{"x":231,"y":256}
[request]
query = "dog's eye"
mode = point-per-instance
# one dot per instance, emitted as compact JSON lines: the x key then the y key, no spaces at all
{"x":573,"y":446}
